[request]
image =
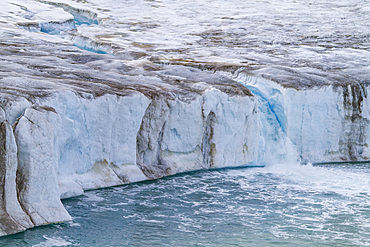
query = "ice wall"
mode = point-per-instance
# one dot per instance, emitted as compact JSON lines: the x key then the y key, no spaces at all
{"x":329,"y":123}
{"x":212,"y":131}
{"x":66,"y":143}
{"x":69,"y":141}
{"x":320,"y":124}
{"x":112,"y":140}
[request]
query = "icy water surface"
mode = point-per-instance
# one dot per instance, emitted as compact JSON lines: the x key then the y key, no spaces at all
{"x":274,"y":206}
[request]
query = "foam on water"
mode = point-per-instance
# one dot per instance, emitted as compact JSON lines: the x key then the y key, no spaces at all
{"x":330,"y":179}
{"x":49,"y":242}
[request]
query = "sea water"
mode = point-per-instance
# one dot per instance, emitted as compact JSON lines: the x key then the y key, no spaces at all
{"x":279,"y":205}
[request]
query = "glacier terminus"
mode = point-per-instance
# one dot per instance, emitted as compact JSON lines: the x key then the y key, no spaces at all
{"x":94,"y":96}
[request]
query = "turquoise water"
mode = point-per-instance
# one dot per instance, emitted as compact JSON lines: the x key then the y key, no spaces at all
{"x":282,"y":205}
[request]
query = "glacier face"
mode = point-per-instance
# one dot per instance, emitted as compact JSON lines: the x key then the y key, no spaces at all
{"x":75,"y":144}
{"x":112,"y":140}
{"x":73,"y":121}
{"x":321,"y":124}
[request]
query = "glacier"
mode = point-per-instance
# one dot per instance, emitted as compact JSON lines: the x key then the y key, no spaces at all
{"x":86,"y":126}
{"x":91,"y":98}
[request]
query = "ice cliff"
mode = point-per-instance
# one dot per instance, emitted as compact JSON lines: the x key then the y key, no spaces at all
{"x":68,"y":127}
{"x":66,"y":144}
{"x":329,"y":123}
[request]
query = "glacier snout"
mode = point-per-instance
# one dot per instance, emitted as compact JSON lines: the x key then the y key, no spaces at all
{"x":66,"y":143}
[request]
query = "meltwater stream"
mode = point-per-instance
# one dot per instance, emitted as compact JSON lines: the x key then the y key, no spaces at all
{"x":279,"y":205}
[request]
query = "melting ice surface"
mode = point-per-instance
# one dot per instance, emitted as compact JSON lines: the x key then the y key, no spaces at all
{"x":278,"y":205}
{"x":292,"y":42}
